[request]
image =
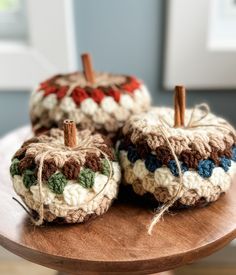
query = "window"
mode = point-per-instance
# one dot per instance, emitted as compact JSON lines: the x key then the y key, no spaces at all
{"x":13,"y":22}
{"x":32,"y":46}
{"x":222,"y":25}
{"x":201,"y":44}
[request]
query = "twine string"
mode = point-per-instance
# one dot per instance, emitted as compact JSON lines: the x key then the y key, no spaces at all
{"x":23,"y":206}
{"x":165,"y":207}
{"x":205,"y":110}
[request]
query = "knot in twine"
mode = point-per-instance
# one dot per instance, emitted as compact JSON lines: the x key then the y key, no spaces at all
{"x":86,"y":144}
{"x":195,"y":121}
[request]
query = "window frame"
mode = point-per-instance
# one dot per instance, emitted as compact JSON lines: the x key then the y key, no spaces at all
{"x":23,"y":65}
{"x":196,"y":65}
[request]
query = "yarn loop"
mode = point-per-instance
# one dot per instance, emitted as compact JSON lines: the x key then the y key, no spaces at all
{"x":105,"y":167}
{"x":57,"y":183}
{"x":205,"y":168}
{"x":14,"y":168}
{"x":152,"y":163}
{"x":225,"y":163}
{"x":29,"y":178}
{"x":86,"y":178}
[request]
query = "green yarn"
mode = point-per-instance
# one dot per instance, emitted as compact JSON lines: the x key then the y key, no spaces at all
{"x":14,"y":168}
{"x":117,"y":155}
{"x":57,"y":183}
{"x":86,"y":178}
{"x":29,"y":178}
{"x":105,"y":167}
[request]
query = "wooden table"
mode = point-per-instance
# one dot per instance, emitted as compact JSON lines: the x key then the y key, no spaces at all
{"x":118,"y":241}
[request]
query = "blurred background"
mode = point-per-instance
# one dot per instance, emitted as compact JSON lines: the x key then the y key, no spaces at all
{"x":123,"y":37}
{"x":163,"y":42}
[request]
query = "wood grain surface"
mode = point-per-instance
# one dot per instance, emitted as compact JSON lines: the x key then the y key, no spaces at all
{"x":117,"y":241}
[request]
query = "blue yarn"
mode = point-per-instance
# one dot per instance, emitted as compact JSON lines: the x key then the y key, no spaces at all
{"x":225,"y":163}
{"x":152,"y":163}
{"x":174,"y":168}
{"x":132,"y":154}
{"x":122,"y":146}
{"x":205,"y":168}
{"x":234,"y":153}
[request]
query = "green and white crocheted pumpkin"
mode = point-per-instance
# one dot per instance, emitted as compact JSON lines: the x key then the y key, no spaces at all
{"x":66,"y":184}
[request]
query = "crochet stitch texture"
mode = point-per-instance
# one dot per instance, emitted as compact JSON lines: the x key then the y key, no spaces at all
{"x":103,"y":106}
{"x":14,"y":168}
{"x":54,"y":181}
{"x":205,"y":150}
{"x":57,"y":183}
{"x":86,"y":178}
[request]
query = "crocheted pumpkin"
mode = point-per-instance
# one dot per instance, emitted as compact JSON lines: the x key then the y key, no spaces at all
{"x":103,"y":106}
{"x":64,"y":184}
{"x":205,"y":150}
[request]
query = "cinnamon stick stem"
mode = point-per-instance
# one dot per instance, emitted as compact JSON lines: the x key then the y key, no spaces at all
{"x":180,"y":105}
{"x":176,"y":110}
{"x":183,"y":106}
{"x":88,"y":67}
{"x":69,"y":128}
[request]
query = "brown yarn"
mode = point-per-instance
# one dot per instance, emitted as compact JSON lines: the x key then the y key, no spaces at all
{"x":71,"y":169}
{"x":164,"y":154}
{"x":73,"y":216}
{"x":28,"y":142}
{"x":182,"y":140}
{"x":49,"y":168}
{"x":191,"y":158}
{"x":41,"y":130}
{"x":93,"y":162}
{"x":127,"y":140}
{"x":228,"y":150}
{"x":143,"y":149}
{"x":162,"y":196}
{"x":108,"y":151}
{"x":26,"y":163}
{"x":107,"y":140}
{"x":215,"y":155}
{"x":20,"y":153}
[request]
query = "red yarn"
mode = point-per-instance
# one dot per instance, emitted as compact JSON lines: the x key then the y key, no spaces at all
{"x":47,"y":83}
{"x":50,"y":90}
{"x":62,"y":92}
{"x":43,"y":85}
{"x":131,"y":85}
{"x":79,"y":95}
{"x":97,"y":95}
{"x":115,"y":94}
{"x":134,"y":83}
{"x":127,"y":87}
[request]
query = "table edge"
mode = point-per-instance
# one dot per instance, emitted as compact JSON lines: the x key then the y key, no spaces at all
{"x":145,"y":265}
